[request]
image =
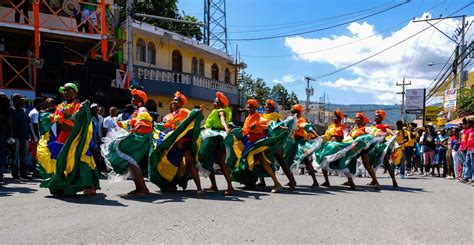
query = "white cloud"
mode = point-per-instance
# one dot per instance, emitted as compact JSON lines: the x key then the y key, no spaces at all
{"x":378,"y":75}
{"x":288,"y":78}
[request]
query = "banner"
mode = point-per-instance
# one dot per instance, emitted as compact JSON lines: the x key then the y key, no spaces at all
{"x":431,"y":114}
{"x":450,"y":98}
{"x":415,"y":99}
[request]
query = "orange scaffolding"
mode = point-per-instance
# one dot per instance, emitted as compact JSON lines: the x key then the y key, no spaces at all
{"x":58,"y":21}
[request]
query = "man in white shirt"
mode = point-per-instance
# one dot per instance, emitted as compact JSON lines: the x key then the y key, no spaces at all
{"x":39,"y":106}
{"x":110,"y":122}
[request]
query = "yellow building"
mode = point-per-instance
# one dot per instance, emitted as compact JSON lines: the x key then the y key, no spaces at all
{"x":166,"y":62}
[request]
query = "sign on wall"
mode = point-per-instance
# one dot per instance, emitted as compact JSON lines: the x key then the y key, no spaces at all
{"x":415,"y":100}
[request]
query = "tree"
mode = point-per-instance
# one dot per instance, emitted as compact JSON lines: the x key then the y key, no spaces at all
{"x":465,"y":101}
{"x":293,"y":99}
{"x":279,"y":94}
{"x":262,"y":92}
{"x":165,"y":8}
{"x":246,"y":86}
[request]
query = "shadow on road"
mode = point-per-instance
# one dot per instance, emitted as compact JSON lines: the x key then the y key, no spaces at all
{"x":99,"y":199}
{"x":8,"y":191}
{"x":181,"y":196}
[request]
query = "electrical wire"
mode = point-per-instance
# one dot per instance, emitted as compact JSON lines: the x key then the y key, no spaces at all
{"x":321,"y":29}
{"x":380,"y":52}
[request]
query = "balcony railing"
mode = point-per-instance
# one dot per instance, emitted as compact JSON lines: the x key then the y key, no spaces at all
{"x":70,"y":16}
{"x":162,"y":75}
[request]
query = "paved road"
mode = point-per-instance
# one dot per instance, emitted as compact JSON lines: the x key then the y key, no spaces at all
{"x":423,"y":210}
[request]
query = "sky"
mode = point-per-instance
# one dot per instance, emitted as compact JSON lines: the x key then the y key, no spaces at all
{"x":331,"y":42}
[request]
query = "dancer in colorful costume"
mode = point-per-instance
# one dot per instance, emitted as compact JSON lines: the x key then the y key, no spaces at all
{"x":174,"y":155}
{"x":66,"y":162}
{"x":212,"y":147}
{"x":270,"y":115}
{"x":380,"y":153}
{"x":363,"y":141}
{"x":256,"y":160}
{"x":302,"y":145}
{"x":333,"y":152}
{"x":128,"y":146}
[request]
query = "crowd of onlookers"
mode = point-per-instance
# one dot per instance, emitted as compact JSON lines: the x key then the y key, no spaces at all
{"x":20,"y":133}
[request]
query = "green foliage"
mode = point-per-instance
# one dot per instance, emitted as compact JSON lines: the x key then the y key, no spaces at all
{"x":257,"y":89}
{"x":165,"y":8}
{"x":465,"y":101}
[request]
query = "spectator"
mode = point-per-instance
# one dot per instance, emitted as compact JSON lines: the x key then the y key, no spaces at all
{"x":127,"y":114}
{"x":466,"y":148}
{"x":402,"y":138}
{"x":51,"y":107}
{"x":23,"y":6}
{"x":89,"y":18}
{"x":410,"y":148}
{"x":39,"y":106}
{"x":5,"y":130}
{"x":110,"y":122}
{"x":96,"y":139}
{"x":428,"y":147}
{"x":21,"y":133}
{"x":455,"y":143}
{"x":441,"y":142}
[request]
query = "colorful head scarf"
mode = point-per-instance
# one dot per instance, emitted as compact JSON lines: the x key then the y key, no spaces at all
{"x":181,"y":97}
{"x":365,"y":120}
{"x":140,"y":94}
{"x":223,"y":99}
{"x":298,"y":108}
{"x":252,"y":102}
{"x":69,"y":85}
{"x":339,"y":114}
{"x":272,"y":103}
{"x":381,"y":113}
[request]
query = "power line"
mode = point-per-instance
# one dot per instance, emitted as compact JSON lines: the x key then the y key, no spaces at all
{"x":382,"y":51}
{"x":341,"y":45}
{"x":324,"y":20}
{"x":305,"y":21}
{"x":321,"y":29}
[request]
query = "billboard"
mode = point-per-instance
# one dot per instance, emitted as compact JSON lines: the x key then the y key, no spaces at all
{"x":415,"y":101}
{"x":450,"y":99}
{"x":431,"y":114}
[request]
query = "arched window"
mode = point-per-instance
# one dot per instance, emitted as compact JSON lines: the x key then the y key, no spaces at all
{"x":227,"y":75}
{"x":151,"y":51}
{"x":201,"y":68}
{"x":215,"y":72}
{"x":194,"y":66}
{"x":177,"y":61}
{"x":141,"y":50}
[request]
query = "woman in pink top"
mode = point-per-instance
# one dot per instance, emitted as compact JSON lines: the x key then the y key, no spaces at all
{"x":467,"y":146}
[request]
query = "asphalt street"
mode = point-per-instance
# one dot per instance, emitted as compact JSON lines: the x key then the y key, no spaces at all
{"x":422,"y":210}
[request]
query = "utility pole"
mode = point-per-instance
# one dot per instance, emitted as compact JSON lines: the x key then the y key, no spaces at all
{"x":129,"y":28}
{"x":403,"y":84}
{"x":463,"y":46}
{"x":309,"y":92}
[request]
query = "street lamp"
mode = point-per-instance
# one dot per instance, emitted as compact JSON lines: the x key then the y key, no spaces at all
{"x":433,"y":64}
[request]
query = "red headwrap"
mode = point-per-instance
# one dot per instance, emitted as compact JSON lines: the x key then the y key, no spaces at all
{"x":140,"y":94}
{"x":222,"y":98}
{"x":272,"y":103}
{"x":381,"y":113}
{"x":252,"y":102}
{"x":298,"y":108}
{"x":365,"y":120}
{"x":339,"y":114}
{"x":181,"y":97}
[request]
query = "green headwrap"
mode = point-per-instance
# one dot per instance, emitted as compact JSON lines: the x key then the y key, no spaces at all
{"x":71,"y":85}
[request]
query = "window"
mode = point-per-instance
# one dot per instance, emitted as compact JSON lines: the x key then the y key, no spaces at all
{"x":151,"y":51}
{"x":215,"y":72}
{"x":194,"y":66}
{"x":177,"y":61}
{"x":140,"y":50}
{"x":201,"y":68}
{"x":227,"y":75}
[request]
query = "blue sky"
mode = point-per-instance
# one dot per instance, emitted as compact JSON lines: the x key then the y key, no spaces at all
{"x":368,"y":82}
